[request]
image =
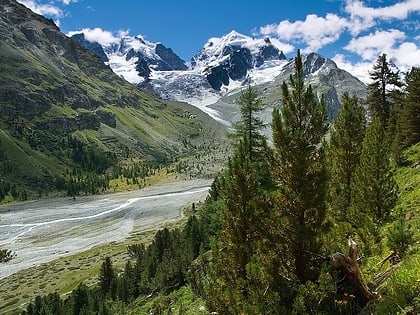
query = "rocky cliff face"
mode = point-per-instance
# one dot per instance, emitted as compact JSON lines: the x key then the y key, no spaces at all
{"x":237,"y":64}
{"x":231,"y":57}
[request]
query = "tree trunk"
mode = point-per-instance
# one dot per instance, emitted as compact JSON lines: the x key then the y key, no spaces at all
{"x":350,"y":277}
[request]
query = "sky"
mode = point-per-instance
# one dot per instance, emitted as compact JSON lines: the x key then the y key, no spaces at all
{"x":354,"y":33}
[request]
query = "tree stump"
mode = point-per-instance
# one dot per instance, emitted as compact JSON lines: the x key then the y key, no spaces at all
{"x":350,"y":277}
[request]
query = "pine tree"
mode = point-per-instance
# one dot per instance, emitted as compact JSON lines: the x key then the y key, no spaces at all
{"x":80,"y":299}
{"x":410,"y":120}
{"x":106,"y":275}
{"x":299,"y":169}
{"x":346,"y":138}
{"x":373,"y":189}
{"x":385,"y":80}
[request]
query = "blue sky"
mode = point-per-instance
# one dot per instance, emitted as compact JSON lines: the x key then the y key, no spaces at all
{"x":351,"y":32}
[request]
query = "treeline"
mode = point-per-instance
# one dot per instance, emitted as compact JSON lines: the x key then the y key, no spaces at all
{"x":160,"y":267}
{"x":95,"y":169}
{"x":262,"y":243}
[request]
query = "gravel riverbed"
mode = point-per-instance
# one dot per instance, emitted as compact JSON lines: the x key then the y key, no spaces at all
{"x":43,"y":230}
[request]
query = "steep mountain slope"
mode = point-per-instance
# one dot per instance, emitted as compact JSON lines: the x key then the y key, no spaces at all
{"x":223,"y":67}
{"x":61,"y":105}
{"x":322,"y":73}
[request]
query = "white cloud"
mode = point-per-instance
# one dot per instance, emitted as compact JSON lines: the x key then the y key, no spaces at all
{"x":369,"y":47}
{"x":316,"y":32}
{"x":359,"y":69}
{"x":99,"y":35}
{"x":43,"y":9}
{"x":362,"y":17}
{"x":404,"y":54}
{"x":400,"y":10}
{"x":67,"y":2}
{"x":284,"y":47}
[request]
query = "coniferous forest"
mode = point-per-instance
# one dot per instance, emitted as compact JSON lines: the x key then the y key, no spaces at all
{"x":321,"y":218}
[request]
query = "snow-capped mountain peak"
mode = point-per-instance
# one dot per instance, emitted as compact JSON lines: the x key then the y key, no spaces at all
{"x":220,"y":69}
{"x":217,"y":49}
{"x":135,"y":58}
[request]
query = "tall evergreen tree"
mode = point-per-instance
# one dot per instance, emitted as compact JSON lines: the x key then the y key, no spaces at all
{"x":346,"y":138}
{"x":373,"y":189}
{"x":410,"y":118}
{"x":385,"y":80}
{"x":244,"y":190}
{"x":106,"y":275}
{"x":299,"y":169}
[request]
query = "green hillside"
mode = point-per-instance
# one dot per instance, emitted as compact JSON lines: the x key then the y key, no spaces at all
{"x":63,"y":111}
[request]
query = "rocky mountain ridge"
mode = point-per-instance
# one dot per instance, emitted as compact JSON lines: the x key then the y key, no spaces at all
{"x":223,"y":67}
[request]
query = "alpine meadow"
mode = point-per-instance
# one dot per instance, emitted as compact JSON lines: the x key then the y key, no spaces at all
{"x":243,"y":182}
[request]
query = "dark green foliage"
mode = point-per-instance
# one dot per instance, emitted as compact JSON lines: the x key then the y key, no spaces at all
{"x":161,"y":267}
{"x":400,"y":236}
{"x":248,"y":129}
{"x":298,"y":168}
{"x":106,"y":276}
{"x":164,"y":264}
{"x":373,"y":188}
{"x":410,"y":116}
{"x":80,"y":300}
{"x":240,"y":245}
{"x":8,"y":189}
{"x":345,"y":146}
{"x":242,"y":194}
{"x":89,"y":158}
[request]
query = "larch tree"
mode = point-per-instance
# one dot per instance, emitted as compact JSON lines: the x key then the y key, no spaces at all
{"x":250,"y":126}
{"x":345,"y":147}
{"x":298,"y":168}
{"x":244,"y":188}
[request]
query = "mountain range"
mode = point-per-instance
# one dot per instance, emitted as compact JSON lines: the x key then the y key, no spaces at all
{"x":61,"y":97}
{"x":215,"y":75}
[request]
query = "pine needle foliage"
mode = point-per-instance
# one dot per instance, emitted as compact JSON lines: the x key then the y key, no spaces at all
{"x":298,"y":167}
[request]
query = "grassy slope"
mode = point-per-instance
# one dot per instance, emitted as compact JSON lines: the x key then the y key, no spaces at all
{"x":401,"y":291}
{"x":48,"y":82}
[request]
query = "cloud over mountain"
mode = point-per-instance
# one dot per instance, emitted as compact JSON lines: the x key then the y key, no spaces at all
{"x":100,"y":36}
